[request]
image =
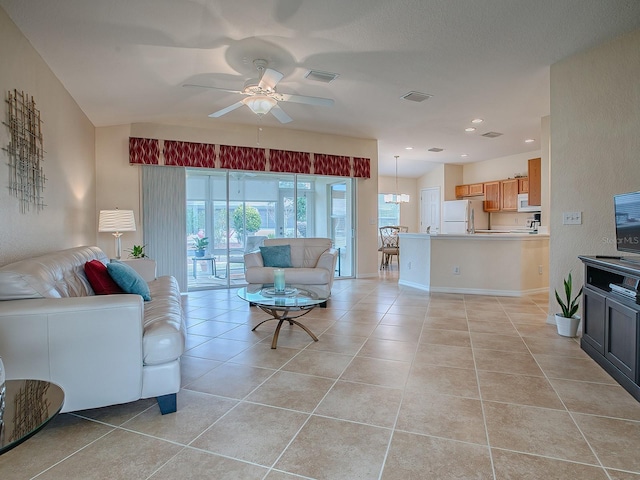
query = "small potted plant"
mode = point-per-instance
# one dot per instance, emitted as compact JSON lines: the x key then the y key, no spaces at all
{"x":200,"y":245}
{"x":137,"y":251}
{"x":566,"y":322}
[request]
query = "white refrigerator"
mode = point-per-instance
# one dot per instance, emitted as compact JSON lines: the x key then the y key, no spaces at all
{"x":464,"y":216}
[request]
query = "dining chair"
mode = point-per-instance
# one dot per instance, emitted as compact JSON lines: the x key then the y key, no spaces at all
{"x":390,"y":244}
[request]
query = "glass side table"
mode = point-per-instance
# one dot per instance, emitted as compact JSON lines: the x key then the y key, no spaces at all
{"x":28,"y":406}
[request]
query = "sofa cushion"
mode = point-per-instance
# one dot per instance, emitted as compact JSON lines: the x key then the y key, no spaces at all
{"x":278,"y":256}
{"x":294,"y":276}
{"x":129,"y":280}
{"x":99,"y":278}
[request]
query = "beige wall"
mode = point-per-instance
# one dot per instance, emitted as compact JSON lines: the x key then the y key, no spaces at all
{"x":498,"y":168}
{"x":119,"y":182}
{"x":69,"y":219}
{"x":595,"y":145}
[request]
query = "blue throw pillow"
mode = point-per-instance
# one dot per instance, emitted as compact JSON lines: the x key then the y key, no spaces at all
{"x":129,"y":280}
{"x":278,"y":256}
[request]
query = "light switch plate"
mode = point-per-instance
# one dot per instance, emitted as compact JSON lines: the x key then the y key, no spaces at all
{"x":572,"y":218}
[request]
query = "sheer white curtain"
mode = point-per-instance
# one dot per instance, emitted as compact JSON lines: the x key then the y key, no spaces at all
{"x":164,"y":220}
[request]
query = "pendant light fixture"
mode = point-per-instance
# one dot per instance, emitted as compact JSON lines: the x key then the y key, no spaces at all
{"x":396,"y":197}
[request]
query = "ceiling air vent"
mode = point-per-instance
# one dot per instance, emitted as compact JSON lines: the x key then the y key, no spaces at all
{"x":436,"y":149}
{"x":318,"y":76}
{"x":416,"y":96}
{"x":491,"y":134}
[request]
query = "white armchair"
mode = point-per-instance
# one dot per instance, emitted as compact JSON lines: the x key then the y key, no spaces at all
{"x":313,"y":262}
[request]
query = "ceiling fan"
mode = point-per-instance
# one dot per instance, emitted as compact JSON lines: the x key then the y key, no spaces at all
{"x":262,"y":97}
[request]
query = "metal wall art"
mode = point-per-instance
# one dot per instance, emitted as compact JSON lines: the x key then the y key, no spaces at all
{"x":25,"y":152}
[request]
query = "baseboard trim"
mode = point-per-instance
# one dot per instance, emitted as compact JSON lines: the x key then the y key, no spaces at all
{"x":474,"y":291}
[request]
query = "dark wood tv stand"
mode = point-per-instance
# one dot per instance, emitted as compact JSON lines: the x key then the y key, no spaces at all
{"x":611,"y":321}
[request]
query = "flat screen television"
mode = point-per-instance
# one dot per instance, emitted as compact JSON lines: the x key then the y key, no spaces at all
{"x":627,"y":211}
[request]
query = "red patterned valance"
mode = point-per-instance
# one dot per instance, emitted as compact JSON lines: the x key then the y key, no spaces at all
{"x":331,"y":165}
{"x":148,"y":151}
{"x":188,"y":154}
{"x":144,"y":151}
{"x":361,"y":167}
{"x":243,"y":158}
{"x":289,"y":162}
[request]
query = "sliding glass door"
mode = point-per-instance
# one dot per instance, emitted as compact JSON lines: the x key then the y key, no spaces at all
{"x":235,"y":211}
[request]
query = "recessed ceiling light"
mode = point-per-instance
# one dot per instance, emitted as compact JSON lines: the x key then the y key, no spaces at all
{"x":464,"y":155}
{"x":529,"y":140}
{"x":408,"y":148}
{"x":470,"y":129}
{"x":477,"y":120}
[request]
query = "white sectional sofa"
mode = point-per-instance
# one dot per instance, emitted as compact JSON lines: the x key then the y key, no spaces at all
{"x":101,"y":349}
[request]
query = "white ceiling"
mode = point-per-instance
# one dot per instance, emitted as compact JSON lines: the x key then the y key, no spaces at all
{"x":124,"y":61}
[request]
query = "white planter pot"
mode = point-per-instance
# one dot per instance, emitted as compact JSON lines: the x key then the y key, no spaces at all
{"x":567,"y":327}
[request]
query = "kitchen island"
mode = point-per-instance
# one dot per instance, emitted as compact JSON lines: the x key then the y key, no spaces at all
{"x":503,"y":264}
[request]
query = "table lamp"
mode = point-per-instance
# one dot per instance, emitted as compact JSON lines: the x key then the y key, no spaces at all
{"x":117,"y":221}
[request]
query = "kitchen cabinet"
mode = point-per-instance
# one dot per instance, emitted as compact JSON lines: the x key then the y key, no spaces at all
{"x":611,"y":328}
{"x":492,"y":196}
{"x":535,"y":181}
{"x":523,"y":185}
{"x":462,"y":191}
{"x":509,"y":195}
{"x":476,"y":189}
{"x":472,"y":190}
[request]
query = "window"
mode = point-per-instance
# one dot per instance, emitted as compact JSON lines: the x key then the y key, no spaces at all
{"x":388,"y":213}
{"x":235,"y":211}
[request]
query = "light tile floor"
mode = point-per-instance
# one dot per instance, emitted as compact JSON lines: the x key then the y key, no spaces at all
{"x":402,"y":385}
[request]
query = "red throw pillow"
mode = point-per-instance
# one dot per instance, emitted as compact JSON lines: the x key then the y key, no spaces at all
{"x":99,"y":278}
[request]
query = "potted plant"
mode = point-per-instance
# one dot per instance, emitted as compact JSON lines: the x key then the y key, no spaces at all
{"x":137,"y":251}
{"x":200,"y":245}
{"x":566,"y":322}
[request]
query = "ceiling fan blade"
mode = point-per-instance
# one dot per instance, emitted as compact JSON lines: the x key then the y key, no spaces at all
{"x":270,"y":79}
{"x":226,"y":110}
{"x":212,"y":88}
{"x":280,"y":114}
{"x":287,"y":97}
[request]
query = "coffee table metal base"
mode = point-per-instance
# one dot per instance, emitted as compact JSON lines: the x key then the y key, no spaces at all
{"x":284,"y":317}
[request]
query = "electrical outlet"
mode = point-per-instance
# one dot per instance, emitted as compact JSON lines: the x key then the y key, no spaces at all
{"x":539,"y":269}
{"x":572,"y":218}
{"x":409,"y":265}
{"x":456,"y":270}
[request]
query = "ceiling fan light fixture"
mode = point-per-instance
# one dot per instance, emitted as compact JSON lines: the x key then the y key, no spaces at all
{"x":260,"y":104}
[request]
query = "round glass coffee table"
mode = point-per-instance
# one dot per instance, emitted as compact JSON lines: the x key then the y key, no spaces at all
{"x":28,"y":406}
{"x":287,"y":306}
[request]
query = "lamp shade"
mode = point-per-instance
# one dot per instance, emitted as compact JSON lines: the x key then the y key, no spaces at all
{"x":116,"y":221}
{"x":260,"y":104}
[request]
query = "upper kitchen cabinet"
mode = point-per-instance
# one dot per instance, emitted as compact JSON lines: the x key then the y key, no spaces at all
{"x":523,"y":185}
{"x":476,"y":189}
{"x":473,"y":190}
{"x":462,"y":191}
{"x":535,"y":182}
{"x":509,"y":195}
{"x":492,"y":196}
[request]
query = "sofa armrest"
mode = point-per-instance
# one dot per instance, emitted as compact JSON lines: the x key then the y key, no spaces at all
{"x":253,"y":259}
{"x":328,"y":260}
{"x":90,"y":346}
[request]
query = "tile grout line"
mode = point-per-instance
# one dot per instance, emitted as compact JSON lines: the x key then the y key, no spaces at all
{"x":561,"y":401}
{"x":482,"y":406}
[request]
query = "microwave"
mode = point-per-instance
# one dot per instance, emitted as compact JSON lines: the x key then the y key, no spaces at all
{"x":523,"y":204}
